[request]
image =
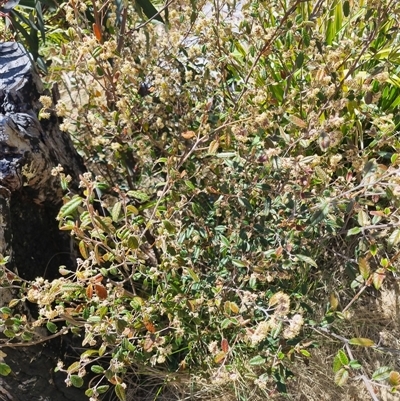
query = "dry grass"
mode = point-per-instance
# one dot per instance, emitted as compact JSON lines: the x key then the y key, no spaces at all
{"x":375,"y":317}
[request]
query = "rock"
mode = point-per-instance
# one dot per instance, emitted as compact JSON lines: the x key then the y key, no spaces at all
{"x":30,"y":197}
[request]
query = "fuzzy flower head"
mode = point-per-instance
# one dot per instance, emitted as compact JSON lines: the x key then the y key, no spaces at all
{"x":281,"y":303}
{"x":260,"y":333}
{"x":296,"y":322}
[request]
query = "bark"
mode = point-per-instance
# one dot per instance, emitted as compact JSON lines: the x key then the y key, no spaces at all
{"x":30,"y":198}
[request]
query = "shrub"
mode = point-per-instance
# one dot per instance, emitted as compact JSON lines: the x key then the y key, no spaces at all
{"x":239,"y":169}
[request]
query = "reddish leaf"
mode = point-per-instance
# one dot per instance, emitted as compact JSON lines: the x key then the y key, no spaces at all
{"x":97,"y":278}
{"x":149,"y":326}
{"x":97,"y":32}
{"x":89,"y":291}
{"x":101,"y":291}
{"x":224,"y":345}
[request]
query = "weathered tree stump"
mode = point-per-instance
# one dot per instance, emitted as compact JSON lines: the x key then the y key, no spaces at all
{"x":30,"y":198}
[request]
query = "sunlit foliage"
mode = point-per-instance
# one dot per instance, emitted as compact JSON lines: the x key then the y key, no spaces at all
{"x":242,"y":156}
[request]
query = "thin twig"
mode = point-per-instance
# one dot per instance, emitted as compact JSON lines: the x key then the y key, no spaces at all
{"x":363,"y":376}
{"x":39,"y":341}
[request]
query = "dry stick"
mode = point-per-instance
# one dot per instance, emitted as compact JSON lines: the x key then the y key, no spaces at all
{"x":122,"y":30}
{"x":39,"y":341}
{"x":354,"y":298}
{"x":363,"y":376}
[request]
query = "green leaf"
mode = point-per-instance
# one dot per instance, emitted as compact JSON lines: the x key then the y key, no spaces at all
{"x":121,"y":325}
{"x":341,"y":377}
{"x":70,"y":206}
{"x":239,"y":263}
{"x":305,"y":353}
{"x":300,"y":60}
{"x":116,"y":210}
{"x":13,"y":303}
{"x":40,"y":20}
{"x":133,"y":242}
{"x":278,"y":92}
{"x":51,"y":327}
{"x":102,"y":389}
{"x":169,"y":227}
{"x":224,"y":240}
{"x":373,"y":249}
{"x":257,"y":360}
{"x":97,"y":369}
{"x":353,"y":231}
{"x":225,"y":155}
{"x":363,"y":219}
{"x":245,"y":203}
{"x":30,"y":37}
{"x":307,"y":260}
{"x":190,"y":185}
{"x":90,"y":352}
{"x":344,"y":360}
{"x":26,"y":336}
{"x":346,"y":8}
{"x":74,"y":367}
{"x":193,"y":275}
{"x":9,"y":333}
{"x":139,"y":195}
{"x":226,"y":323}
{"x":5,"y":370}
{"x":5,"y":310}
{"x":120,"y":392}
{"x":126,"y":344}
{"x":27,"y":4}
{"x":137,"y":302}
{"x":382,"y":373}
{"x":76,"y":381}
{"x":394,"y":238}
{"x":362,"y":342}
{"x":357,"y":282}
{"x":320,"y":213}
{"x":102,"y":349}
{"x":149,"y":10}
{"x":93,"y":319}
{"x":355,"y":364}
